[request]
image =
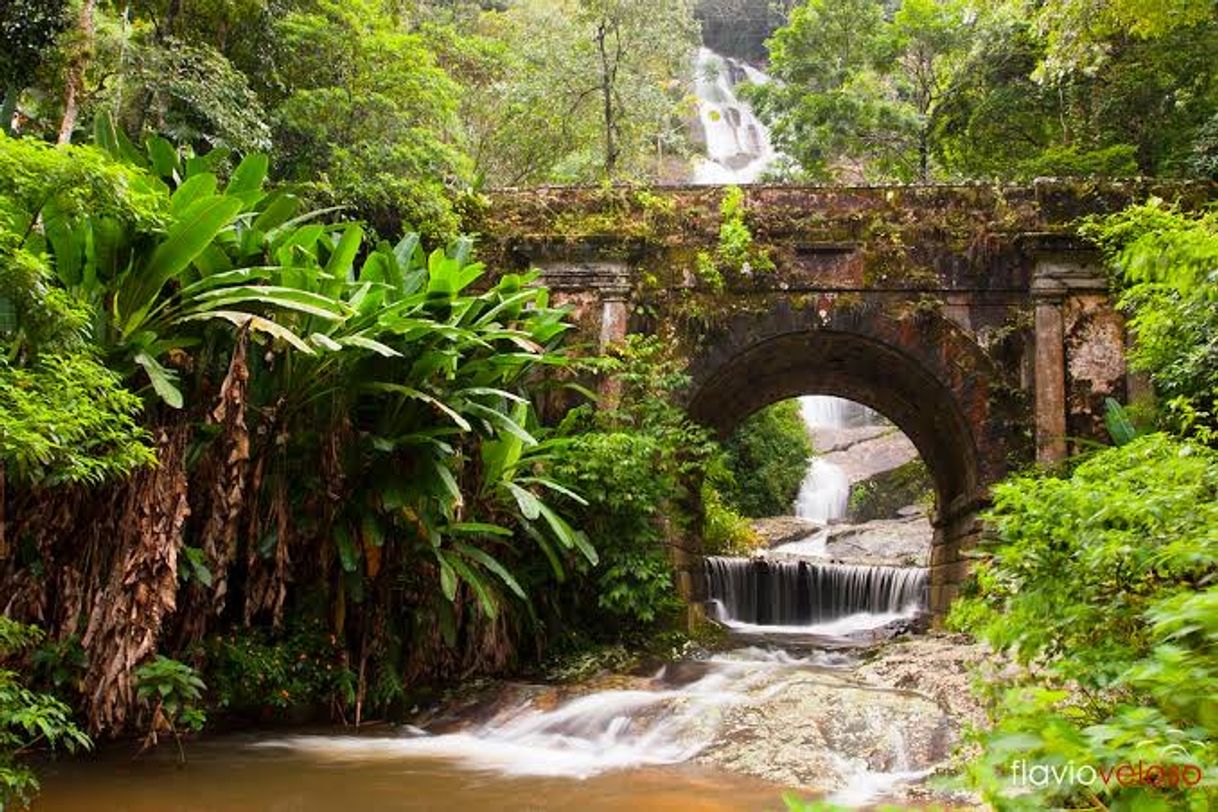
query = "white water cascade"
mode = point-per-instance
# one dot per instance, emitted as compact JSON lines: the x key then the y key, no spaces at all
{"x":825,"y":491}
{"x":671,"y":718}
{"x":737,"y":144}
{"x":807,"y":597}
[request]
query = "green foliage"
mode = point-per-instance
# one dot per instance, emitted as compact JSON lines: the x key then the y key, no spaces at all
{"x":68,"y":419}
{"x":189,"y":93}
{"x":1103,"y":581}
{"x":725,"y":531}
{"x":400,"y":377}
{"x":28,"y":719}
{"x":634,"y":465}
{"x":173,"y":694}
{"x":735,"y":254}
{"x":881,"y":496}
{"x":1165,"y":265}
{"x":366,"y":117}
{"x":1012,"y":90}
{"x":64,"y":417}
{"x":768,"y":457}
{"x":1118,"y":160}
{"x":1043,"y":91}
{"x":858,"y":91}
{"x":707,"y":271}
{"x":254,"y":671}
{"x":633,"y":50}
{"x":28,"y":29}
{"x":585,"y":663}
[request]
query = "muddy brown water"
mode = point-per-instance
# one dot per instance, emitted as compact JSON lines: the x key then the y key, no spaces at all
{"x":227,"y":774}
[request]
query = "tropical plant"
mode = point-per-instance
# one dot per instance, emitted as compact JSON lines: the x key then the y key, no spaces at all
{"x":1103,"y":582}
{"x":28,"y":719}
{"x":173,"y":694}
{"x":297,"y":351}
{"x":1163,"y":262}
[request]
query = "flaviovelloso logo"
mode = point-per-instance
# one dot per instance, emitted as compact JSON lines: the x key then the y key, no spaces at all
{"x":1127,"y":774}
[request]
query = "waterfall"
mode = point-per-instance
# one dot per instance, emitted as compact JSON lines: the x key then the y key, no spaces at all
{"x":803,"y":593}
{"x":824,"y":412}
{"x":737,"y":144}
{"x":824,"y":494}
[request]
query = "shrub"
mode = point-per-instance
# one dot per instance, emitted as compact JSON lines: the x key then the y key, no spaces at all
{"x":1104,"y":581}
{"x":28,"y":718}
{"x":256,"y":673}
{"x":768,"y":458}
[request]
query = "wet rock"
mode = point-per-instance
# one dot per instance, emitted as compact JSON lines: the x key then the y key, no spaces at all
{"x":820,"y":731}
{"x":864,"y":452}
{"x":937,"y":665}
{"x":885,"y":721}
{"x":884,"y":542}
{"x":886,"y":494}
{"x":777,"y":530}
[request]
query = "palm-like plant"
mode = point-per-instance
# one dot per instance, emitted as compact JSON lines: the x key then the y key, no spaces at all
{"x":411,"y":357}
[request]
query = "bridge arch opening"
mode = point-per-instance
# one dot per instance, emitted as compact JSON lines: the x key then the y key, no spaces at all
{"x":920,"y":391}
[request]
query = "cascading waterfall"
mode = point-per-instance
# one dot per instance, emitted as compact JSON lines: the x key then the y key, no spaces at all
{"x":821,"y":411}
{"x":770,"y":593}
{"x":737,"y":144}
{"x":825,"y":492}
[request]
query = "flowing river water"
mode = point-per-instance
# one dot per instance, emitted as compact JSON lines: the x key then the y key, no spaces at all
{"x":784,"y":704}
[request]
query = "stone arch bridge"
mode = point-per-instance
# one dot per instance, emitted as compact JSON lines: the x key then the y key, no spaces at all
{"x":973,"y":317}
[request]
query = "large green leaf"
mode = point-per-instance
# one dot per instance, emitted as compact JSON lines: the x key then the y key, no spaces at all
{"x":196,"y":188}
{"x":162,"y":380}
{"x":274,"y":296}
{"x":369,"y":344}
{"x":256,"y":323}
{"x":411,"y":392}
{"x":489,"y":605}
{"x":187,"y":239}
{"x":503,"y":421}
{"x":163,"y":155}
{"x":343,"y":259}
{"x":249,"y":175}
{"x":566,"y":535}
{"x":530,"y":506}
{"x":491,"y":563}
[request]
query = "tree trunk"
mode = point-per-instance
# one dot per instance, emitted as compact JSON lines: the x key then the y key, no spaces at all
{"x":171,"y":21}
{"x":607,"y":81}
{"x":9,"y":109}
{"x":76,"y":73}
{"x":924,"y":155}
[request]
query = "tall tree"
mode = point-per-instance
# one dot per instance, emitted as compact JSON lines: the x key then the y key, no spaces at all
{"x":830,"y":109}
{"x":365,"y":115}
{"x":638,"y":44}
{"x":74,"y":84}
{"x":928,"y":39}
{"x":28,"y":30}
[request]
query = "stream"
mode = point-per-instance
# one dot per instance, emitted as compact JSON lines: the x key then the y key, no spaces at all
{"x":804,"y":694}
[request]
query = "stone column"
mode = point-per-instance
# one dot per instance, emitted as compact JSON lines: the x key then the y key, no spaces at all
{"x":1050,"y":383}
{"x":615,"y":316}
{"x":1060,"y":272}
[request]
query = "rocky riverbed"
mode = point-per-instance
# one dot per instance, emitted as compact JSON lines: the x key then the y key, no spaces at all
{"x":855,"y":725}
{"x":901,"y":542}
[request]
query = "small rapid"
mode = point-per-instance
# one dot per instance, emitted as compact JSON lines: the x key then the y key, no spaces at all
{"x":661,"y":721}
{"x":691,"y":711}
